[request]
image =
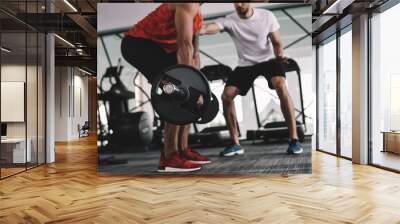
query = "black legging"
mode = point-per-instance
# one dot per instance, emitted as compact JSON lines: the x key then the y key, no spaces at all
{"x":147,"y":56}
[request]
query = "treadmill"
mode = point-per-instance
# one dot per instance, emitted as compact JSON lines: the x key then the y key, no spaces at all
{"x":278,"y":130}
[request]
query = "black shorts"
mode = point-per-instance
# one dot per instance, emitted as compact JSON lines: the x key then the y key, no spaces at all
{"x":146,"y":56}
{"x":243,"y":77}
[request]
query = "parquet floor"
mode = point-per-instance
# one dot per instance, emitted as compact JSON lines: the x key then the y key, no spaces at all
{"x":10,"y":171}
{"x":71,"y":191}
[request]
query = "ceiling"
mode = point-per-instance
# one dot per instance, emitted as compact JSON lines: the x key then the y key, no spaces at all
{"x":330,"y":15}
{"x":74,"y":21}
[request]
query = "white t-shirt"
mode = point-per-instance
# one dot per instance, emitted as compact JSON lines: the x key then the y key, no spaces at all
{"x":251,"y":35}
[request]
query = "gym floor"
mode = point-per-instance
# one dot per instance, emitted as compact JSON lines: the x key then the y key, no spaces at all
{"x":259,"y":158}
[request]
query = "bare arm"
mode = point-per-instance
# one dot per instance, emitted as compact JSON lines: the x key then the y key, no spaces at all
{"x":187,"y":42}
{"x":211,"y":28}
{"x":196,"y":61}
{"x":196,"y":54}
{"x":277,"y":44}
{"x":184,"y":14}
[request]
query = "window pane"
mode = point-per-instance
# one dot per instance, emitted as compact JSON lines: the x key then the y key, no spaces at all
{"x":345,"y":93}
{"x":327,"y":96}
{"x":13,"y":86}
{"x":31,"y":97}
{"x":41,"y":99}
{"x":385,"y":86}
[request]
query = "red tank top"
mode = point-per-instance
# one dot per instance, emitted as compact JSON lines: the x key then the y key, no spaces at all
{"x":159,"y":26}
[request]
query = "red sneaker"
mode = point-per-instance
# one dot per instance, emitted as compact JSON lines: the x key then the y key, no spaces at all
{"x":195,"y":157}
{"x":176,"y":164}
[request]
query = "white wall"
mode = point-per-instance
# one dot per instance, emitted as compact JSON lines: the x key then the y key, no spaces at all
{"x":61,"y":103}
{"x":33,"y":126}
{"x":128,"y":14}
{"x":14,"y":72}
{"x":67,"y":114}
{"x":79,"y":118}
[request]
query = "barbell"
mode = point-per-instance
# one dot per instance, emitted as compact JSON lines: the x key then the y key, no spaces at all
{"x":175,"y":93}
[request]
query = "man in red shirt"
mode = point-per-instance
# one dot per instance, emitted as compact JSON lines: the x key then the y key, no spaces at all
{"x":165,"y":37}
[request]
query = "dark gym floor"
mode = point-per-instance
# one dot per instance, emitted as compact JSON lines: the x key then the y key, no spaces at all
{"x":259,"y":157}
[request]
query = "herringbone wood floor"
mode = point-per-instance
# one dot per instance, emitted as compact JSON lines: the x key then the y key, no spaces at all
{"x":71,"y":191}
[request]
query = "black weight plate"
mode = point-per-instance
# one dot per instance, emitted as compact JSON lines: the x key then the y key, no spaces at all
{"x":211,"y":111}
{"x":173,"y":111}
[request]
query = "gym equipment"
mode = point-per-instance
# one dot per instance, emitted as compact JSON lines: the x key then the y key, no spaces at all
{"x":279,"y":130}
{"x":211,"y":111}
{"x":132,"y":130}
{"x":3,"y":130}
{"x":83,"y":131}
{"x":175,"y":92}
{"x":211,"y":136}
{"x":174,"y":96}
{"x":117,"y":95}
{"x":136,"y":128}
{"x":216,"y":72}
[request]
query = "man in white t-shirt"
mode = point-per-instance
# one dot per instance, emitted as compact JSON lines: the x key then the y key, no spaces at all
{"x":255,"y":34}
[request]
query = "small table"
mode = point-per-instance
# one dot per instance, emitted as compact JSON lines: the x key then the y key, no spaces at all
{"x":391,"y":141}
{"x":13,"y":150}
